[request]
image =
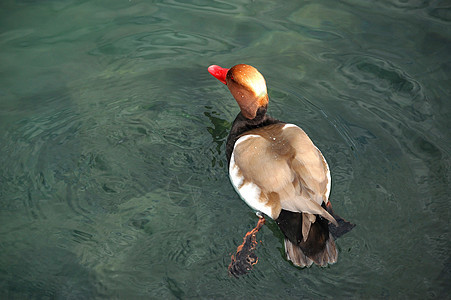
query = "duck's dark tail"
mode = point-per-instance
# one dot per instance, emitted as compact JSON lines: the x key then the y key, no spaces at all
{"x":319,"y":246}
{"x":328,"y":255}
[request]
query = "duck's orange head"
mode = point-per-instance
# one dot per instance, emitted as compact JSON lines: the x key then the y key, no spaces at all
{"x":247,"y":86}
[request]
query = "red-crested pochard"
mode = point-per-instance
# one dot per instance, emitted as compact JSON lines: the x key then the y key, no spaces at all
{"x":278,"y":171}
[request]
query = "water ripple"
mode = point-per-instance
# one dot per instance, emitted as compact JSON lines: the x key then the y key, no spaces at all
{"x":441,"y":13}
{"x":164,"y":43}
{"x":379,"y":75}
{"x":407,"y":4}
{"x":199,"y":6}
{"x":389,"y":83}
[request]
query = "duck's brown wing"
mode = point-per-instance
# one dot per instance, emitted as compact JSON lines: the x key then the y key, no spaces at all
{"x":278,"y":167}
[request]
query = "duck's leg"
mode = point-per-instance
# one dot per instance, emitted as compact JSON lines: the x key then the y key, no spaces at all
{"x":343,"y":225}
{"x":245,"y":258}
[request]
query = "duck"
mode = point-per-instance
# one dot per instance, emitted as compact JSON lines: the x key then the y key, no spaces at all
{"x":279,"y":172}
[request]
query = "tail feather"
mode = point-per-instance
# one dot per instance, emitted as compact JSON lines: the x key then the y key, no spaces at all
{"x":295,"y":254}
{"x":319,"y":246}
{"x":329,"y":255}
{"x":332,"y":251}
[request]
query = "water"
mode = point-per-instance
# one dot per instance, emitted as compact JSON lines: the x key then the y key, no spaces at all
{"x":112,"y":133}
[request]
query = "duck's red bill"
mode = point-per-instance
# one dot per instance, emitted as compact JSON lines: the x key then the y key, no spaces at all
{"x":218,"y":72}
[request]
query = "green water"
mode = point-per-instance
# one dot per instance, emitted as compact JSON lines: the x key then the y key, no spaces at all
{"x":113,"y":179}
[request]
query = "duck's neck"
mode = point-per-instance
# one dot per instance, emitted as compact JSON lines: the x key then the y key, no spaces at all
{"x":242,"y":125}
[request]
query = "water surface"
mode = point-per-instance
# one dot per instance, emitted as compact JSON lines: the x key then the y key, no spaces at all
{"x":113,"y":179}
